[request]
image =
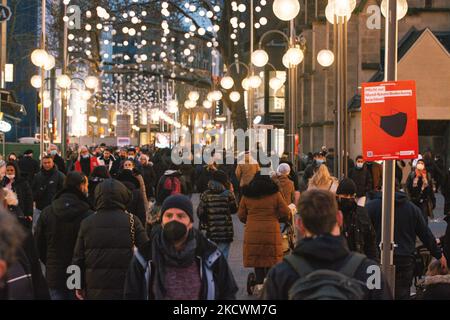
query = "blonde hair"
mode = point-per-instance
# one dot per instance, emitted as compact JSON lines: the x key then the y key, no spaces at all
{"x":321,"y":178}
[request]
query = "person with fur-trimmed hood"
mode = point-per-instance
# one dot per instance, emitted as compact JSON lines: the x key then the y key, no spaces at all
{"x":436,"y":285}
{"x":179,"y":263}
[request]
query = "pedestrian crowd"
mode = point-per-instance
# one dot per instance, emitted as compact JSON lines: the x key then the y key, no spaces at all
{"x":119,"y":223}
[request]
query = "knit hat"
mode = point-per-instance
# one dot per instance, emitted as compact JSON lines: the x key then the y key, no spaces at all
{"x":346,"y":186}
{"x":27,"y":152}
{"x":283,"y":168}
{"x":178,"y":201}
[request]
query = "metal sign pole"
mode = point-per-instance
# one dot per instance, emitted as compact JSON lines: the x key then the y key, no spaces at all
{"x":388,"y":208}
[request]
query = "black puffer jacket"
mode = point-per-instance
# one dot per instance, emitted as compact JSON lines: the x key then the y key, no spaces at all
{"x":322,"y":252}
{"x":214,"y":211}
{"x":57,"y":231}
{"x":359,"y":232}
{"x":149,"y":175}
{"x":28,"y":168}
{"x":104,"y":245}
{"x":46,"y":185}
{"x":362,"y":179}
{"x":24,"y":194}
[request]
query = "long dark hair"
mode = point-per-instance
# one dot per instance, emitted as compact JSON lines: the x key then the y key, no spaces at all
{"x":74,"y":179}
{"x":16,"y":168}
{"x":100,"y":172}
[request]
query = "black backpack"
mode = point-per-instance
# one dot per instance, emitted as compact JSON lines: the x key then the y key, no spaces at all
{"x":325,"y":284}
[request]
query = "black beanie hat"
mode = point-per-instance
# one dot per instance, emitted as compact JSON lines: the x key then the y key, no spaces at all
{"x":178,"y":201}
{"x":346,"y":186}
{"x":220,"y":176}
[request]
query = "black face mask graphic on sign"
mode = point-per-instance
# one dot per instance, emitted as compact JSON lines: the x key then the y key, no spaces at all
{"x":394,"y":125}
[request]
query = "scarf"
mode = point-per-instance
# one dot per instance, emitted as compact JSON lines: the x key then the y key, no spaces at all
{"x":420,"y":174}
{"x":164,"y":253}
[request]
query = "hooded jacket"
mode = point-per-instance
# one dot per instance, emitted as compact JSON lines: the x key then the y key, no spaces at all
{"x":104,"y":245}
{"x":409,"y":223}
{"x":322,"y":252}
{"x":57,"y":231}
{"x":362,"y":179}
{"x":46,"y":185}
{"x":217,"y":279}
{"x":261,"y":208}
{"x":286,"y":187}
{"x":214,"y":211}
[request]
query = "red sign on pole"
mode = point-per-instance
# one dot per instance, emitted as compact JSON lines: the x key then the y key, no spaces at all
{"x":389,"y":120}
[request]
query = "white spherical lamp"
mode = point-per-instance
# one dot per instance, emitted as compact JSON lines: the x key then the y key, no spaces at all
{"x":325,"y":58}
{"x":50,"y":63}
{"x":286,"y":9}
{"x":91,"y":82}
{"x":36,"y":81}
{"x":93,"y":119}
{"x":217,"y":95}
{"x":275,"y":83}
{"x":64,"y":81}
{"x":295,"y":56}
{"x":227,"y":82}
{"x":194,"y":96}
{"x":245,"y":84}
{"x":39,"y":57}
{"x":172,"y":106}
{"x":235,"y":96}
{"x":254,"y":82}
{"x":402,"y":8}
{"x":260,"y":58}
{"x":207,"y":104}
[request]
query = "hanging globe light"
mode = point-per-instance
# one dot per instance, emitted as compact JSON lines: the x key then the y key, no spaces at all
{"x":86,"y":95}
{"x":93,"y":119}
{"x":207,"y":104}
{"x":245,"y":84}
{"x":260,"y":58}
{"x":50,"y":63}
{"x":254,"y":82}
{"x":285,"y":61}
{"x":36,"y":81}
{"x":325,"y":58}
{"x":330,"y":12}
{"x":64,"y":81}
{"x":402,"y":8}
{"x":286,"y":9}
{"x":91,"y":82}
{"x":235,"y":96}
{"x":194,"y":96}
{"x":276,"y":83}
{"x":39,"y":57}
{"x":172,"y":106}
{"x":227,"y":82}
{"x":104,"y":121}
{"x":217,"y":95}
{"x":295,"y":56}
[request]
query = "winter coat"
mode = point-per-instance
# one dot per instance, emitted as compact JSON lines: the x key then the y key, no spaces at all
{"x":424,"y":199}
{"x":362,"y":179}
{"x":409,"y":223}
{"x":292,"y":174}
{"x":286,"y":187}
{"x":92,"y":164}
{"x":246,"y":172}
{"x":436,"y":288}
{"x":322,"y":252}
{"x":24,"y":194}
{"x":28,"y":168}
{"x":214,"y":211}
{"x":128,"y":175}
{"x":112,"y":166}
{"x":161,"y":192}
{"x":45,"y":186}
{"x":93,"y":183}
{"x":359,"y":232}
{"x":60,"y":163}
{"x":377,"y":176}
{"x":149,"y":175}
{"x":25,"y":278}
{"x":57,"y":231}
{"x":217,"y":279}
{"x":261,"y":208}
{"x":104,"y":245}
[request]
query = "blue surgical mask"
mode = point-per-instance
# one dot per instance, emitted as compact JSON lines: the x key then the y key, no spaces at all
{"x":320,"y":161}
{"x":53,"y":152}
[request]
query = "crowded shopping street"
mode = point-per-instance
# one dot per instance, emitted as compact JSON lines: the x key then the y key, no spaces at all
{"x":201,"y":151}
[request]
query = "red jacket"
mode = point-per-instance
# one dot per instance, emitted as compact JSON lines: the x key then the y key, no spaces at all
{"x":94,"y":163}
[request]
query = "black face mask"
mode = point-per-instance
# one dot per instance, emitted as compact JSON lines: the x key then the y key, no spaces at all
{"x":394,"y":125}
{"x":346,"y":205}
{"x":174,"y":231}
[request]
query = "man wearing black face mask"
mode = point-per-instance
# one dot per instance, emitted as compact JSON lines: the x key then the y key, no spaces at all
{"x":357,"y":227}
{"x":179,"y":263}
